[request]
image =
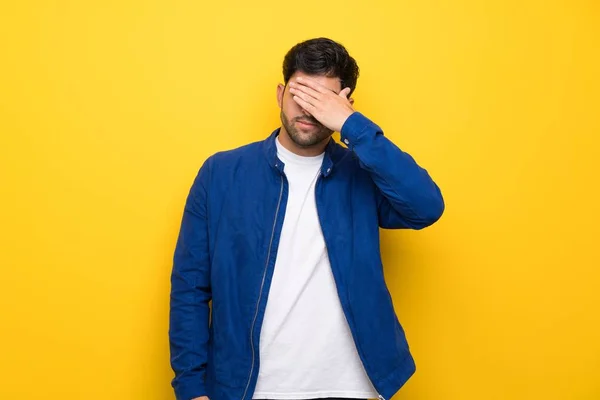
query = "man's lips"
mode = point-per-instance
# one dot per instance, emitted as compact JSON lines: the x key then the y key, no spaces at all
{"x":306,"y":123}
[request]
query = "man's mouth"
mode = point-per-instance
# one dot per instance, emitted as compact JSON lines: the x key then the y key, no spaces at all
{"x":306,"y":123}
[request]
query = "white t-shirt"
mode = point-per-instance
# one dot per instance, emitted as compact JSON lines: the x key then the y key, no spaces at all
{"x":306,"y":347}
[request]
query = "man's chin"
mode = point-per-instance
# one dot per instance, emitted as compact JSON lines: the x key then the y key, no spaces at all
{"x":308,"y":139}
{"x":305,"y":143}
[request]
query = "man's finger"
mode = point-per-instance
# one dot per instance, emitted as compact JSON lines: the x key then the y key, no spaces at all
{"x":345,"y":92}
{"x":304,"y":104}
{"x":296,"y":89}
{"x":312,"y":84}
{"x":307,"y":98}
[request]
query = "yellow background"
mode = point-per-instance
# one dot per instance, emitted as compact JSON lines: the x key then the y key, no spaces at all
{"x":107,"y":110}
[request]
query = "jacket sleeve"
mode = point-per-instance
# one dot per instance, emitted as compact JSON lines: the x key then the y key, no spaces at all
{"x":190,"y":294}
{"x":407,"y":197}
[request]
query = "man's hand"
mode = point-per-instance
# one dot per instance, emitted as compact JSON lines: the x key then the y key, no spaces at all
{"x":326,"y":106}
{"x":201,"y":398}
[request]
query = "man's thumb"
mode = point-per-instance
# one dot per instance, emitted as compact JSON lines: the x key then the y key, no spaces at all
{"x":344,"y":93}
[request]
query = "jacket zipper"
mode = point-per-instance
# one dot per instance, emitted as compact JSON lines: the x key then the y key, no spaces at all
{"x":262,"y":284}
{"x":319,"y":217}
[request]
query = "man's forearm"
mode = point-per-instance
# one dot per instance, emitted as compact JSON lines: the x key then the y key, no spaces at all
{"x":408,"y":187}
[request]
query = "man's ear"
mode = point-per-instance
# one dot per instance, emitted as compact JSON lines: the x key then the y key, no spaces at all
{"x":351,"y":100}
{"x":280,"y":91}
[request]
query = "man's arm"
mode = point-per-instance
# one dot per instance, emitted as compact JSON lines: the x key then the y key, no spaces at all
{"x":407,"y":196}
{"x":190,"y":294}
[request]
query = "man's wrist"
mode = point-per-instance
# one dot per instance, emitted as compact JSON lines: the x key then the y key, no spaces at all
{"x":354,"y":127}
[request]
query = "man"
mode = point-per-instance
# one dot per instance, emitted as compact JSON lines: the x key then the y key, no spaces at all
{"x":283,"y":236}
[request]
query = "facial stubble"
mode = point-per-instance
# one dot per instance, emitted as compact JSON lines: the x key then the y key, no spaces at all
{"x":302,"y":138}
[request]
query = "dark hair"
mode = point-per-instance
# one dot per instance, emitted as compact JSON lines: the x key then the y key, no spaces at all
{"x":321,"y":56}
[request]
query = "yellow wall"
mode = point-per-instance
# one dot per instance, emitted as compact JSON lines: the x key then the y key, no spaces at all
{"x":107,"y":109}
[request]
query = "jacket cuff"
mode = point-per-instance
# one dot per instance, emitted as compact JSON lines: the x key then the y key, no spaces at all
{"x":189,"y":391}
{"x":355,"y":127}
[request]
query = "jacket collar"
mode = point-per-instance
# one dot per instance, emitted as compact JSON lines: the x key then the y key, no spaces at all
{"x":270,"y":149}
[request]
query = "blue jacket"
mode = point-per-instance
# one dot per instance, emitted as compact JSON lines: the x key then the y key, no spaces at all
{"x":228,"y":243}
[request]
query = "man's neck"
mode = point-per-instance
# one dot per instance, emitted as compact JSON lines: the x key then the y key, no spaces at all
{"x":311,"y":151}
